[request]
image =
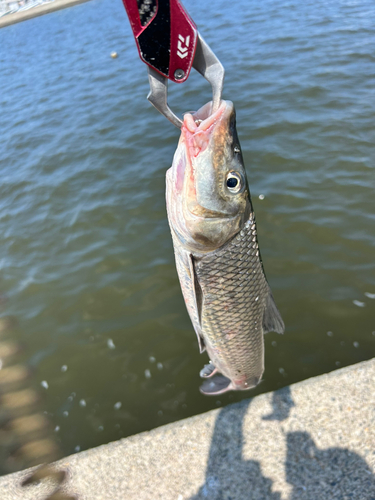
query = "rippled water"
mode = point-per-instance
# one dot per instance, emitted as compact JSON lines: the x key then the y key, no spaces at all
{"x":87,"y":261}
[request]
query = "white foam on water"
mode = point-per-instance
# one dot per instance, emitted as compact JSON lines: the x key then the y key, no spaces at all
{"x":110,"y":344}
{"x":359,"y":303}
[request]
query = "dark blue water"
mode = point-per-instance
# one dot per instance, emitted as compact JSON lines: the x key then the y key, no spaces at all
{"x":86,"y":256}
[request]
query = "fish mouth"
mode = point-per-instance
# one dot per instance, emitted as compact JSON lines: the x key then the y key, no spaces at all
{"x":199,"y":130}
{"x":199,"y":211}
{"x":198,"y":127}
{"x":203,"y":119}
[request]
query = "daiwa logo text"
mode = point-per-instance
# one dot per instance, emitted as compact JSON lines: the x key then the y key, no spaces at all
{"x":182,"y":46}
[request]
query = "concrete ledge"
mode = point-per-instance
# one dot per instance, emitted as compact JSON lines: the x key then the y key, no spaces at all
{"x":314,"y":440}
{"x":17,"y":17}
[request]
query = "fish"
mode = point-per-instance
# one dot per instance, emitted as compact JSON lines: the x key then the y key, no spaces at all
{"x":217,"y":256}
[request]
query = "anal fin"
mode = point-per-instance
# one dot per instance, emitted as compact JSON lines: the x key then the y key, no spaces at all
{"x":208,"y":371}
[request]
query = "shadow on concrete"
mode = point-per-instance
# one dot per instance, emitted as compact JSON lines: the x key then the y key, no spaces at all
{"x":332,"y":473}
{"x":228,"y":475}
{"x":326,"y":474}
{"x":282,"y":403}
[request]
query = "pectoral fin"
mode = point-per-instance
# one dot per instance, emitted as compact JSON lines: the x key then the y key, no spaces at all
{"x":198,"y":299}
{"x":272,"y":321}
{"x":191,"y":290}
{"x":198,"y":294}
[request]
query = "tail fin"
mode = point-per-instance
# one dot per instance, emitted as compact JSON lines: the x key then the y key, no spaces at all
{"x":216,"y":385}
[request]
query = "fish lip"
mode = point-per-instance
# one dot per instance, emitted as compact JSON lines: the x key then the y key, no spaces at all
{"x":197,"y":128}
{"x":204,"y":123}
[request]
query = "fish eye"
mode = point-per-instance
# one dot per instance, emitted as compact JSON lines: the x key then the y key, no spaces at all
{"x":234,"y":182}
{"x":236,"y":149}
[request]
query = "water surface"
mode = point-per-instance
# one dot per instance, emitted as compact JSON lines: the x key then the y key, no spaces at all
{"x":86,"y":256}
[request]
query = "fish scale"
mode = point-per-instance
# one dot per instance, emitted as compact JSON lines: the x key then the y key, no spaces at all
{"x":233,"y":304}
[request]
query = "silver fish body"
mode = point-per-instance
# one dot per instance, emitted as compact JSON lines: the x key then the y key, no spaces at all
{"x":217,"y":256}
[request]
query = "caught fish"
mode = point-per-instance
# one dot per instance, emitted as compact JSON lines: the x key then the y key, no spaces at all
{"x":217,"y":256}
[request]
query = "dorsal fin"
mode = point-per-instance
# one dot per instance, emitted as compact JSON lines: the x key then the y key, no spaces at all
{"x":272,"y":321}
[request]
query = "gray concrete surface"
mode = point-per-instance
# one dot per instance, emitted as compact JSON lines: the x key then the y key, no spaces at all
{"x":314,"y":440}
{"x":17,"y":17}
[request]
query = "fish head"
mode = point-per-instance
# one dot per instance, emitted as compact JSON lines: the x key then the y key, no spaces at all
{"x":208,"y":198}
